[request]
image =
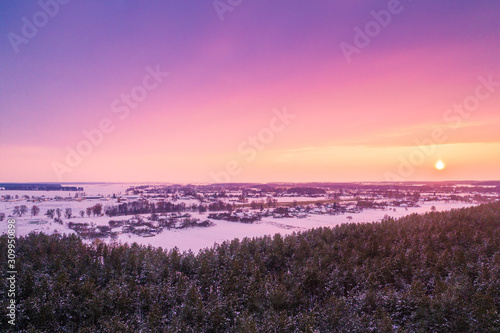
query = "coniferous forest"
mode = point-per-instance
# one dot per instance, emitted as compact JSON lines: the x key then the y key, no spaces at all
{"x":438,"y":272}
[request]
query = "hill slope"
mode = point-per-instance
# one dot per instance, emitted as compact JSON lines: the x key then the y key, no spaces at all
{"x":432,"y":272}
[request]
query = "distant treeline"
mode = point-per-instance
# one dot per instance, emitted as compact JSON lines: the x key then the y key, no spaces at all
{"x":38,"y":187}
{"x":306,"y":190}
{"x":438,"y":272}
{"x":388,"y":190}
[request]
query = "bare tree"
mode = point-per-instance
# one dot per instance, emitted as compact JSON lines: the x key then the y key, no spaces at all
{"x":20,"y":210}
{"x":58,"y":213}
{"x":35,"y":210}
{"x":97,"y":209}
{"x":82,"y":213}
{"x":50,"y":213}
{"x":114,"y":236}
{"x":68,"y":213}
{"x":270,"y":202}
{"x":275,"y":202}
{"x":2,"y":216}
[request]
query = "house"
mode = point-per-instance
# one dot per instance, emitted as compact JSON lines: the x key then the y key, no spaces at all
{"x":205,"y":224}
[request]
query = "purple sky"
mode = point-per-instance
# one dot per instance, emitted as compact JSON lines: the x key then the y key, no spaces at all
{"x":353,"y":121}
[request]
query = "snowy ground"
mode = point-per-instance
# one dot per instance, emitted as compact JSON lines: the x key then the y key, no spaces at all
{"x":198,"y":238}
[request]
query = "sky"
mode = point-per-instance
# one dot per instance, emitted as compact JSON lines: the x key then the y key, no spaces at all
{"x":249,"y":91}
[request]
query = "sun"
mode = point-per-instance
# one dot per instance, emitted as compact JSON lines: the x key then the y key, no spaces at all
{"x":440,"y":165}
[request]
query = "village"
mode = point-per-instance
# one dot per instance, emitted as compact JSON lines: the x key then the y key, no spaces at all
{"x":148,"y":210}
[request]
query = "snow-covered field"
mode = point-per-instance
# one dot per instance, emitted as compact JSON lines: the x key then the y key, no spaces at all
{"x":198,"y":238}
{"x":90,"y":189}
{"x":298,"y":199}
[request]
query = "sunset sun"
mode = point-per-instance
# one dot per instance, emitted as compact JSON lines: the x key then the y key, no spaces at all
{"x":440,"y":165}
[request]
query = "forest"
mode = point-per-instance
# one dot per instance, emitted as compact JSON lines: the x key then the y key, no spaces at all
{"x":437,"y":272}
{"x":146,"y":207}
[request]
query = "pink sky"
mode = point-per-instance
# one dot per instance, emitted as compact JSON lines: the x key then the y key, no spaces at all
{"x":357,"y":121}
